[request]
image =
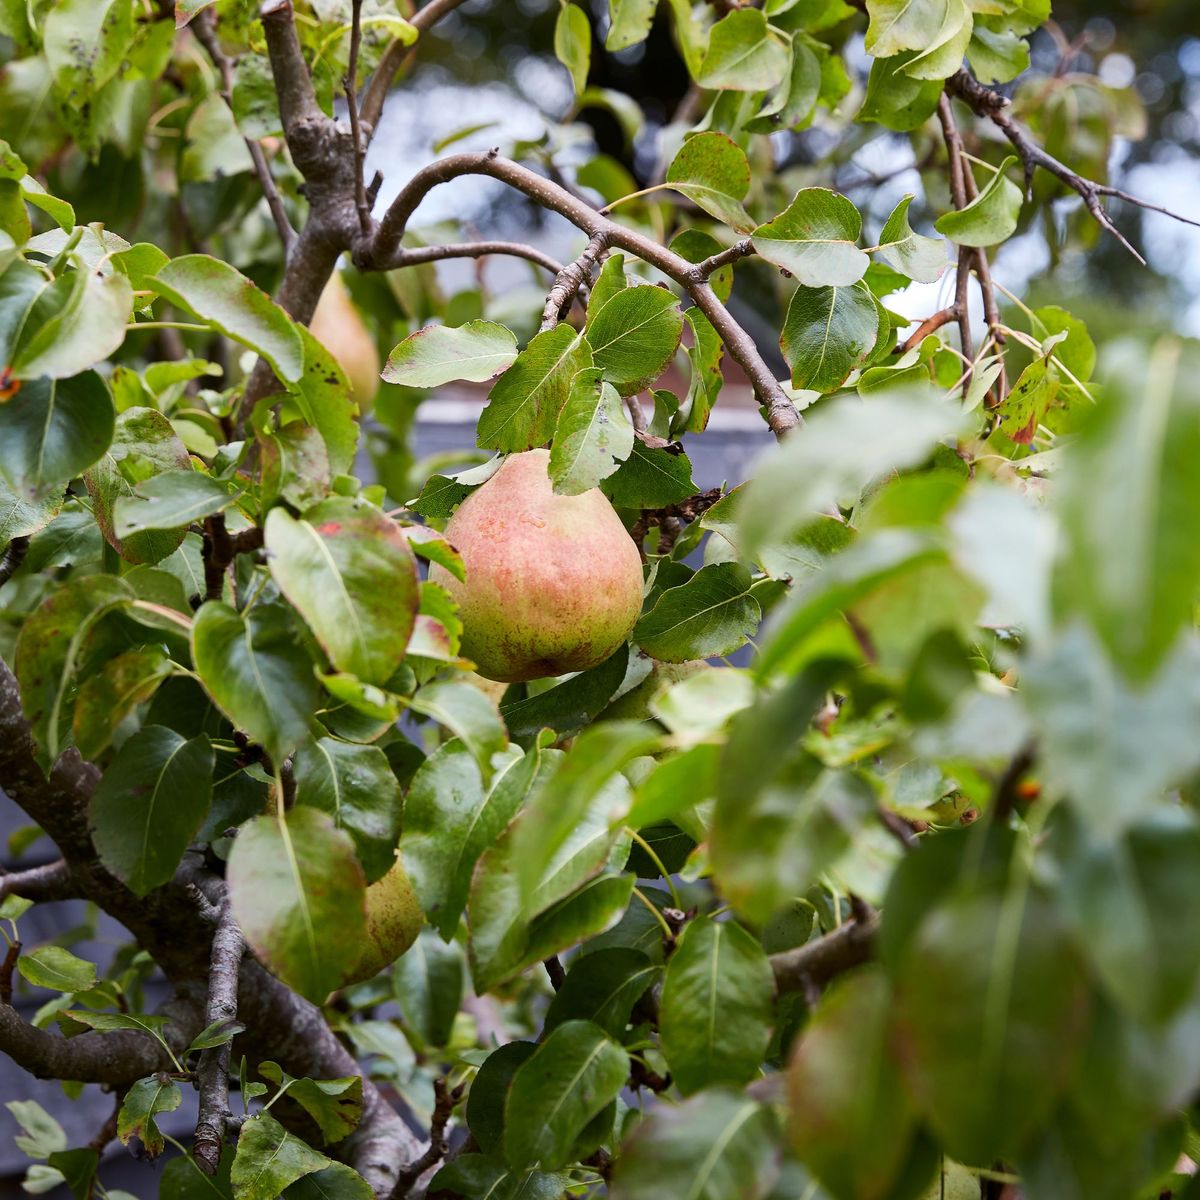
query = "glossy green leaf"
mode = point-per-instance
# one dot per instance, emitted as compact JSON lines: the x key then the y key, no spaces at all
{"x":299,"y":898}
{"x":712,"y":171}
{"x":171,"y":500}
{"x":896,"y":100}
{"x":634,"y":336}
{"x":709,"y":616}
{"x":334,"y":1182}
{"x":815,"y":239}
{"x":744,"y":54}
{"x":651,"y":477}
{"x":56,"y":968}
{"x":593,"y":436}
{"x":142,"y":1104}
{"x":573,"y":43}
{"x":468,"y":714}
{"x":335,"y":1104}
{"x":794,"y":101}
{"x":715,"y":1014}
{"x":348,"y":569}
{"x":256,"y":672}
{"x":713,"y":1146}
{"x":356,"y":787}
{"x":269,"y":1158}
{"x":149,"y":804}
{"x":481,"y":1178}
{"x":524,"y":403}
{"x":574,"y":1074}
{"x":937,"y":30}
{"x":477,"y":351}
{"x":603,"y":988}
{"x":324,"y":400}
{"x":827,"y":332}
{"x":920,"y":258}
{"x":428,"y":981}
{"x":629,"y":23}
{"x":221,"y":295}
{"x":990,"y":218}
{"x":53,"y":430}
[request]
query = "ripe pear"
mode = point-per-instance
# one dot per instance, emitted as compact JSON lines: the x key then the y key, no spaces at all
{"x":339,"y":327}
{"x":554,"y":583}
{"x":394,"y":918}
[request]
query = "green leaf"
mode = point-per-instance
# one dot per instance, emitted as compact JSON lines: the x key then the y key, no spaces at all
{"x":712,"y":171}
{"x":481,"y":1178}
{"x":143,"y":1102}
{"x":85,"y":43}
{"x":489,"y":1091}
{"x":334,"y":1182}
{"x":593,"y":435}
{"x":711,"y":1147}
{"x":221,"y":295}
{"x":41,"y":1135}
{"x":846,"y":1092}
{"x":933,"y":28}
{"x":828,"y":332}
{"x":356,"y":787}
{"x":219,"y":1033}
{"x":438,"y":354}
{"x":629,"y":23}
{"x":709,"y":616}
{"x":335,"y":1104}
{"x":595,"y":907}
{"x":991,"y":1005}
{"x":571,"y":1077}
{"x":715,"y":1014}
{"x":449,"y":820}
{"x":997,"y":56}
{"x":324,"y":400}
{"x":920,"y":258}
{"x":58,"y":969}
{"x":109,"y":696}
{"x":269,"y":1158}
{"x":77,"y":1169}
{"x":298,"y":896}
{"x":170,"y":500}
{"x":570,"y":705}
{"x":603,"y":988}
{"x":150,"y":803}
{"x":104,"y":1022}
{"x":634,"y":336}
{"x":1110,"y":746}
{"x":651,"y":477}
{"x":144,"y":444}
{"x":1129,"y":565}
{"x":349,"y":571}
{"x":846,"y":445}
{"x":87,"y":329}
{"x":991,"y":217}
{"x":525,"y":401}
{"x":53,"y":430}
{"x":896,"y":100}
{"x":573,"y":43}
{"x":20,"y":517}
{"x":49,"y":649}
{"x":814,"y":239}
{"x":744,"y":54}
{"x":428,"y":982}
{"x":256,"y":673}
{"x":467,"y":713}
{"x":794,"y":102}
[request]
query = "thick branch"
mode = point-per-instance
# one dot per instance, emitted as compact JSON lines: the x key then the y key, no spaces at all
{"x":817,"y":962}
{"x":395,"y":56}
{"x":293,"y":83}
{"x":52,"y":881}
{"x":112,"y":1058}
{"x":569,"y":280}
{"x":205,"y":27}
{"x":212,"y":1073}
{"x":781,"y":415}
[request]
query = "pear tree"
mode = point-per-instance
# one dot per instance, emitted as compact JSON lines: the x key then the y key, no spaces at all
{"x":549,"y":818}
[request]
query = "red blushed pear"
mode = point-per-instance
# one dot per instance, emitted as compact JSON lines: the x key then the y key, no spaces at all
{"x":554,"y":583}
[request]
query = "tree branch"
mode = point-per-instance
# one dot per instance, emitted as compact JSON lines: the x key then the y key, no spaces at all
{"x":781,"y":415}
{"x":958,"y":195}
{"x":817,"y":962}
{"x":12,"y":558}
{"x":570,"y":279}
{"x":445,"y":1098}
{"x":350,"y":86}
{"x":415,"y":256}
{"x":205,"y":28}
{"x":395,"y":56}
{"x":51,"y":881}
{"x":212,"y":1072}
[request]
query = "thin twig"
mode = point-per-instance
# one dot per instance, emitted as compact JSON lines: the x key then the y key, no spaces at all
{"x":958,"y":194}
{"x":350,"y":83}
{"x":445,"y":1098}
{"x":570,"y":279}
{"x":205,"y":27}
{"x":212,"y":1072}
{"x":817,"y":962}
{"x":415,"y":256}
{"x":930,"y":325}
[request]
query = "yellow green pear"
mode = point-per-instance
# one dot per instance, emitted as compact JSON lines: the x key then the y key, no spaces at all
{"x":553,"y":583}
{"x":394,"y":918}
{"x":339,"y":327}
